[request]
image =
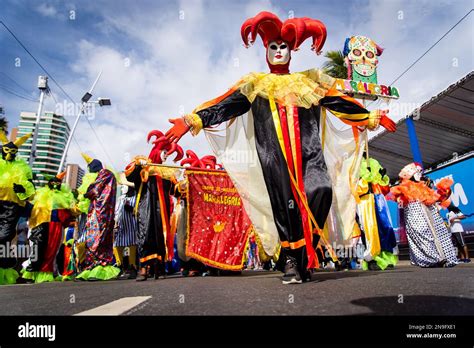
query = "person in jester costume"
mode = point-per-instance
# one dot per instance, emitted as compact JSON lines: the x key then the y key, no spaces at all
{"x":282,"y":118}
{"x":16,"y":188}
{"x":154,"y":205}
{"x":53,"y":208}
{"x":98,"y":255}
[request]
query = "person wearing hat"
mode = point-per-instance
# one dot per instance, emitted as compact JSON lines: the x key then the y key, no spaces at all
{"x":98,"y":254}
{"x":281,"y":115}
{"x":429,"y":240}
{"x":53,"y":208}
{"x":83,"y":204}
{"x":379,"y":237}
{"x":154,"y":185}
{"x":16,"y":188}
{"x":126,"y":227}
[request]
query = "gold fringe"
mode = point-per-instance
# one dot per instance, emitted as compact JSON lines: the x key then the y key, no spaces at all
{"x":194,"y":122}
{"x":374,"y":119}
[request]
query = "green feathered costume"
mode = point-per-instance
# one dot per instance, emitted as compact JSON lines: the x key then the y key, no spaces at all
{"x":52,"y":212}
{"x":15,"y":189}
{"x":374,"y":215}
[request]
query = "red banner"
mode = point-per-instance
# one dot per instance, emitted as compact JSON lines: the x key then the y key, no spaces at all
{"x":218,"y":226}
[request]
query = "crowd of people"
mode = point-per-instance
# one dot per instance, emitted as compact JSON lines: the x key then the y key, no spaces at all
{"x":296,"y":201}
{"x":97,"y":233}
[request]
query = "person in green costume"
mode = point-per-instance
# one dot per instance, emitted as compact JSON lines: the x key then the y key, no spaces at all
{"x":380,"y":239}
{"x":16,"y":188}
{"x":53,"y":209}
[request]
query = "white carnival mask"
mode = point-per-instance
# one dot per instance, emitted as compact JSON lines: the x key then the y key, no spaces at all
{"x":411,"y":170}
{"x":278,"y":53}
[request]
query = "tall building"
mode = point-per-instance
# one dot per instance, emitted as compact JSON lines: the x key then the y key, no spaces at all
{"x":52,"y":137}
{"x":74,"y":175}
{"x":13,"y":134}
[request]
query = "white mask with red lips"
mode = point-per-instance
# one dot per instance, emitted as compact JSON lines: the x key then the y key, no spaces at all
{"x":278,"y":57}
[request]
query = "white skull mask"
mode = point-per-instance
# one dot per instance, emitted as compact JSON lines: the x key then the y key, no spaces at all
{"x":363,"y":55}
{"x":278,"y":53}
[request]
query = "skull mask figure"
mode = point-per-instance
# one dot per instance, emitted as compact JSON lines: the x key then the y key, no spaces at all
{"x":361,"y":58}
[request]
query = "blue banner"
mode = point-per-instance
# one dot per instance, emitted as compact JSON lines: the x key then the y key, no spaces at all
{"x":463,"y":188}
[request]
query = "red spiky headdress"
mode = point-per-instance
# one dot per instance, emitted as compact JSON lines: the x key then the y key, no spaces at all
{"x":162,"y":144}
{"x":293,"y":31}
{"x":206,"y":162}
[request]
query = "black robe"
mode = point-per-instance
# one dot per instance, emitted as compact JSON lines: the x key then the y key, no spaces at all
{"x":10,"y":213}
{"x":317,"y":183}
{"x":150,"y":236}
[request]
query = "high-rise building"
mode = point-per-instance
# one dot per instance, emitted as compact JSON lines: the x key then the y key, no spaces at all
{"x":74,"y":175}
{"x":13,"y":134}
{"x":53,"y":133}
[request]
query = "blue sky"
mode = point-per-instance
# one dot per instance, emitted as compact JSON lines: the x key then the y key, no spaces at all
{"x":162,"y":58}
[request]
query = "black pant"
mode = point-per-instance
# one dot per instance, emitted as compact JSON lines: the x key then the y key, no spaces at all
{"x":39,"y":239}
{"x":9,"y":216}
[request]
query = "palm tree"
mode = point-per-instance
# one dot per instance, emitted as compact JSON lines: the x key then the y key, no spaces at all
{"x":4,"y":124}
{"x":335,"y":65}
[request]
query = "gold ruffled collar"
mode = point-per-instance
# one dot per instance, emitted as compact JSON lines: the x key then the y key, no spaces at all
{"x":303,"y":89}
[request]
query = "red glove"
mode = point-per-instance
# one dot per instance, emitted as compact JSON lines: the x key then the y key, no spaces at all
{"x":179,"y":129}
{"x":387,"y":123}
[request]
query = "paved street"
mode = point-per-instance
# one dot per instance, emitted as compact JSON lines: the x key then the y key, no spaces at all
{"x":422,"y":291}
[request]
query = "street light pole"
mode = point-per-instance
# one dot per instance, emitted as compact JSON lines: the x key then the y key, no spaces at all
{"x":85,"y":99}
{"x":43,"y":87}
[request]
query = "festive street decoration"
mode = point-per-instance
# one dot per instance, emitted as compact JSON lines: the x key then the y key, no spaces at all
{"x":218,"y":225}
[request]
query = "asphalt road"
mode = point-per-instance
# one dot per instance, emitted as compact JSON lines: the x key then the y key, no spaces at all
{"x":406,"y":290}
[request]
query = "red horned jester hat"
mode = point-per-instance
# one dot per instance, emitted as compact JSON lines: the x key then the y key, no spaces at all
{"x":162,"y":148}
{"x":279,"y":38}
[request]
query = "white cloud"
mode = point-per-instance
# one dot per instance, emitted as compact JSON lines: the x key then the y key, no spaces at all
{"x":47,"y":10}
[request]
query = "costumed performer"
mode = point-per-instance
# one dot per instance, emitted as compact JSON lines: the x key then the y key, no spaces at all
{"x":98,"y":256}
{"x":53,"y":208}
{"x":126,"y":228}
{"x":16,"y":187}
{"x":429,"y":240}
{"x":153,"y":205}
{"x":373,"y":210}
{"x":284,"y":133}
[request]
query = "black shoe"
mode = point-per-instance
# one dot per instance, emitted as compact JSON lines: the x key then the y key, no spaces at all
{"x":132,"y":274}
{"x":307,"y":276}
{"x":123,"y":276}
{"x":22,"y":280}
{"x":142,"y":275}
{"x":291,"y":276}
{"x":373,"y":266}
